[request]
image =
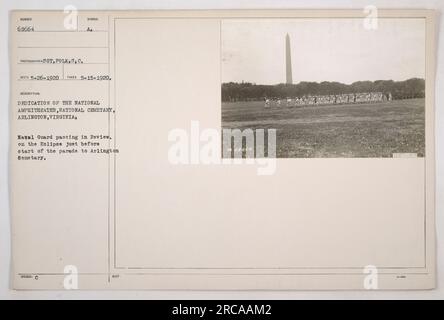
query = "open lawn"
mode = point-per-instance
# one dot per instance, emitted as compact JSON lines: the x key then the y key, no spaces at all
{"x":350,"y":130}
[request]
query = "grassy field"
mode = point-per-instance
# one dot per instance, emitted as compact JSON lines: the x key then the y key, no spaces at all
{"x":360,"y":130}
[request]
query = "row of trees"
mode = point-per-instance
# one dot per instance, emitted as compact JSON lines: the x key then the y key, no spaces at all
{"x":246,"y":91}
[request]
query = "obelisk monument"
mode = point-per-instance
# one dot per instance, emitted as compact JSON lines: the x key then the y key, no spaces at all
{"x":289,"y":79}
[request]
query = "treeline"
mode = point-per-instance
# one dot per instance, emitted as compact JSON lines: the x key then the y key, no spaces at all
{"x":245,"y":91}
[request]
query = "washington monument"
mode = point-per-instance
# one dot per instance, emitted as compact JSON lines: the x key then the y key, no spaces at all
{"x":288,"y":60}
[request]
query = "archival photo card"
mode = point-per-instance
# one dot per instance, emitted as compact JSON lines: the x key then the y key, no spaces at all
{"x":132,"y":133}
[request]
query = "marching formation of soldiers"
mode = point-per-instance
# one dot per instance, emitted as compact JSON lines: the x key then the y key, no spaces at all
{"x":346,"y":98}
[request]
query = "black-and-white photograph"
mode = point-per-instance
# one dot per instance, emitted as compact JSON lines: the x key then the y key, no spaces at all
{"x":331,"y":88}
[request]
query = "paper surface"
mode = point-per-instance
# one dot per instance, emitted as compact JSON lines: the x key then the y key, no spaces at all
{"x":118,"y":181}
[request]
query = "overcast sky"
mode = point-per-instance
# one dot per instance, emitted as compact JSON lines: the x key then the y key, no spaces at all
{"x":322,"y":50}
